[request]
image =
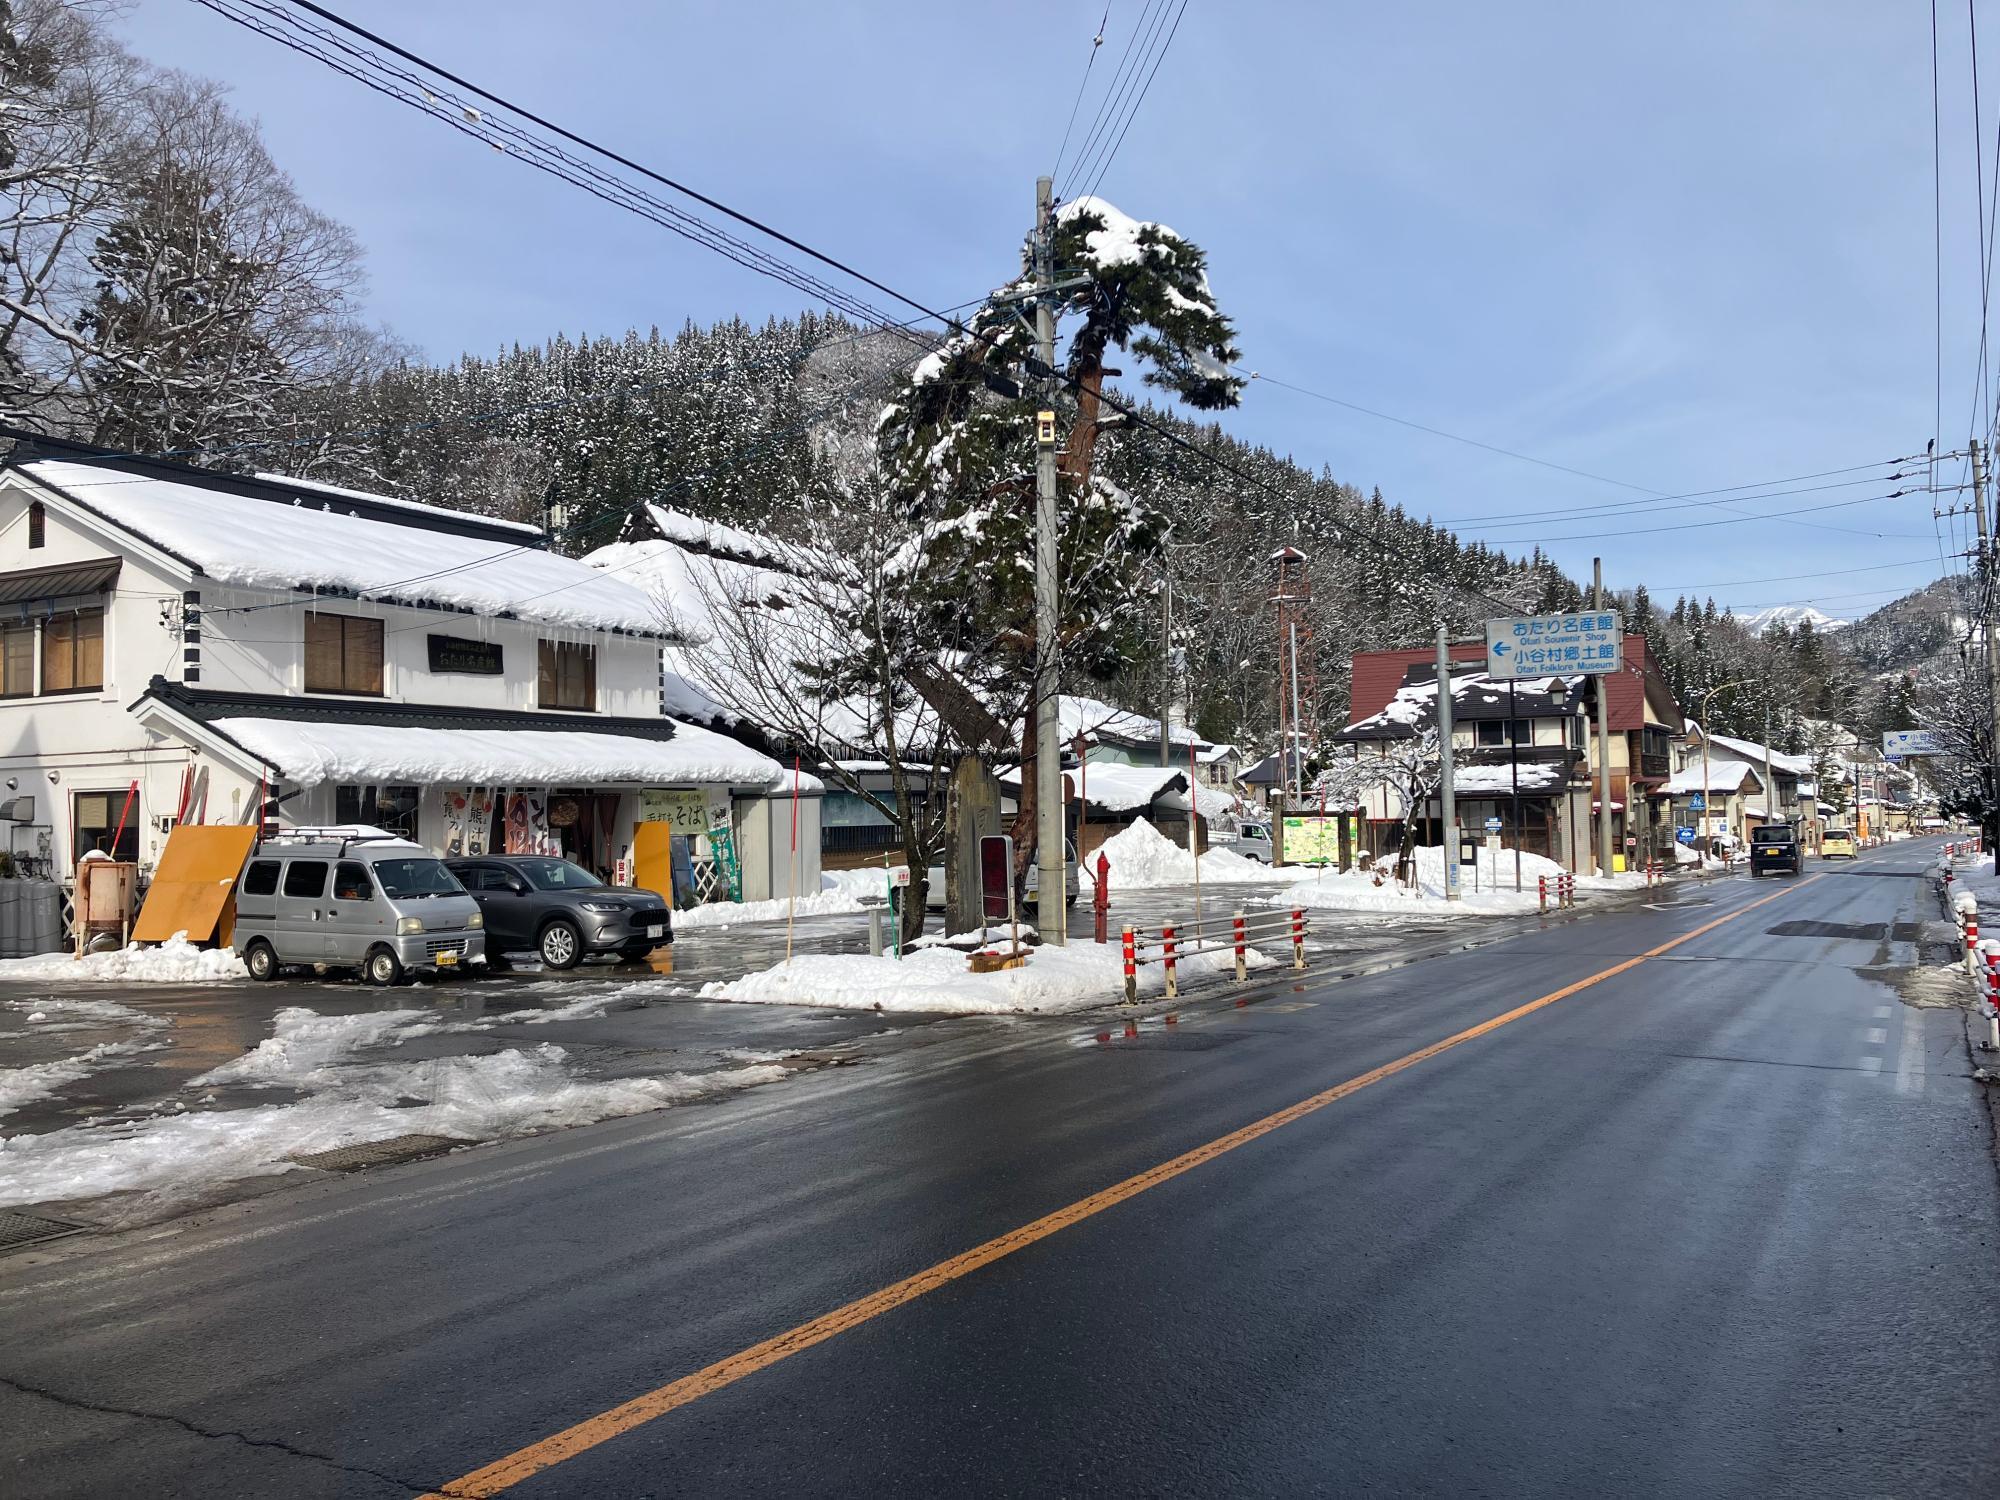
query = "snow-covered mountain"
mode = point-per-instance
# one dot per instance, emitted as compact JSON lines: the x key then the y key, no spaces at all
{"x":1790,"y":616}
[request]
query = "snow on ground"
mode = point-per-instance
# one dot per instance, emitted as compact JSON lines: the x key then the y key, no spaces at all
{"x":177,"y":1157}
{"x":24,"y":1085}
{"x":729,"y":913}
{"x":937,"y":980}
{"x":1357,"y":890}
{"x":1141,"y":857}
{"x":863,"y":885}
{"x":56,"y":1018}
{"x":176,"y":961}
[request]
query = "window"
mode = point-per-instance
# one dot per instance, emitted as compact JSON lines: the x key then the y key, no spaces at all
{"x":1490,"y":732}
{"x":306,"y":878}
{"x":17,"y":661}
{"x":568,"y":676}
{"x":558,"y":875}
{"x":38,"y":525}
{"x":351,"y":883}
{"x":262,"y":879}
{"x":343,"y":655}
{"x":73,"y":653}
{"x":97,"y":824}
{"x":405,"y":878}
{"x":393,"y":809}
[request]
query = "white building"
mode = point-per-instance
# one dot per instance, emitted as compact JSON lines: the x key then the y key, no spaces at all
{"x":182,"y":645}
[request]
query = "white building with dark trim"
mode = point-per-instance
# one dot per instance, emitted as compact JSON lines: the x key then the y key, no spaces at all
{"x":182,"y":645}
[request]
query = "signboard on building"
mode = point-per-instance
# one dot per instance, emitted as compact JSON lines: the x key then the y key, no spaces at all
{"x":457,"y":653}
{"x":687,"y":813}
{"x":1898,"y":743}
{"x":1591,"y":643}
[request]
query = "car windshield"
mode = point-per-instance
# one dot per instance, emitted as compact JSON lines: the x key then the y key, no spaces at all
{"x":557,"y":875}
{"x":408,"y":878}
{"x":1771,"y":836}
{"x":1838,"y":833}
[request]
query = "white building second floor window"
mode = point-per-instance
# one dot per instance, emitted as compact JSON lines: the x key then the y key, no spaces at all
{"x":567,"y":676}
{"x":17,"y":661}
{"x":343,"y":654}
{"x":73,"y":653}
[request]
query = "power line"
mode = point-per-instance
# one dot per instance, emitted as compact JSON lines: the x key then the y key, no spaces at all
{"x":624,"y":161}
{"x":1730,"y":583}
{"x":1083,"y":83}
{"x":1111,"y":91}
{"x":1133,"y":114}
{"x":1507,"y":520}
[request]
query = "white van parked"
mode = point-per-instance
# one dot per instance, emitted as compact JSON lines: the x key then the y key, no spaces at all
{"x":353,"y":899}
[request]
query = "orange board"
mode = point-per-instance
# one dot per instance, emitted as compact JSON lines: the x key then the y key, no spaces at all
{"x":653,"y":859}
{"x":193,"y":888}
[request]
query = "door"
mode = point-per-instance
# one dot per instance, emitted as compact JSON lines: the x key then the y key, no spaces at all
{"x":301,"y":927}
{"x":501,"y":895}
{"x":357,"y":915}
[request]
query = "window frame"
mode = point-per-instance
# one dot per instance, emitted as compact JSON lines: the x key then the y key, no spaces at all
{"x":324,"y":866}
{"x":114,"y":800}
{"x":250,"y":874}
{"x":350,"y":627}
{"x":8,"y":633}
{"x":38,"y":525}
{"x":367,"y":797}
{"x":340,"y":872}
{"x":54,"y":628}
{"x":554,"y":663}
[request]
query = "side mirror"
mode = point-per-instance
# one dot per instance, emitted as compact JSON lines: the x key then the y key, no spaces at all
{"x":518,"y":886}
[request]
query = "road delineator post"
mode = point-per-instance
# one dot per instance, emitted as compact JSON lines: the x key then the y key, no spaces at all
{"x":1990,"y":951}
{"x":1242,"y":947}
{"x":1131,"y":957}
{"x":1972,"y":942}
{"x":1100,"y":898}
{"x":1542,"y":892}
{"x":1298,"y":938}
{"x":1167,"y":962}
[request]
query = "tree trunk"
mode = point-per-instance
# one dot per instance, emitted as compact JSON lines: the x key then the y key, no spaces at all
{"x":1080,"y":451}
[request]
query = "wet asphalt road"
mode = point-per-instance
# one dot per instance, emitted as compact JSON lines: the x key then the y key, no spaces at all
{"x":1721,"y":1223}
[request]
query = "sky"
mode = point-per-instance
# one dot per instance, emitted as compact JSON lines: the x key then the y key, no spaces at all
{"x":1683,"y":248}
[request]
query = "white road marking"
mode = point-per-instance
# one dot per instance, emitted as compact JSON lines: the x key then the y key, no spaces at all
{"x":1871,"y":1064}
{"x":1883,"y":1012}
{"x":1877,"y":1035}
{"x":1910,"y":1062}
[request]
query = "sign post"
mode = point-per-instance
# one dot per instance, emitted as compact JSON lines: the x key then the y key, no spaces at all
{"x":1584,"y":643}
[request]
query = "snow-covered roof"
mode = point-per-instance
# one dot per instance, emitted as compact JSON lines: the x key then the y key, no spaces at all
{"x":1209,"y":755}
{"x":1750,"y":750}
{"x":308,"y":752}
{"x":237,"y":537}
{"x":528,"y":531}
{"x":1474,"y":695}
{"x":1489,"y":781}
{"x":1100,"y":720}
{"x":1723,"y":776}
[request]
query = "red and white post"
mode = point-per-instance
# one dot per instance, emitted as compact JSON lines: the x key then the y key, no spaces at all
{"x":1131,"y":957}
{"x":1242,"y":947}
{"x":1298,"y":938}
{"x":1167,"y":960}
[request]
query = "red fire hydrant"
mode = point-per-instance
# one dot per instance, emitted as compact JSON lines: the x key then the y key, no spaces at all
{"x":1100,"y":900}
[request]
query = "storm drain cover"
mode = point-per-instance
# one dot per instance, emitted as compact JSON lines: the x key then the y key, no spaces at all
{"x":1872,"y":932}
{"x":18,"y":1229}
{"x":378,"y":1153}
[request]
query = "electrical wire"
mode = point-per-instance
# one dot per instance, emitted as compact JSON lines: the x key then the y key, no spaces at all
{"x":1111,"y":90}
{"x":1161,"y":56}
{"x":1083,"y":83}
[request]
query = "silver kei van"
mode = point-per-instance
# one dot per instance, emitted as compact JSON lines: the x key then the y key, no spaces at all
{"x":353,"y":899}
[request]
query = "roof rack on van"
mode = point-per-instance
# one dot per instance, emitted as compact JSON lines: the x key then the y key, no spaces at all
{"x":344,"y":834}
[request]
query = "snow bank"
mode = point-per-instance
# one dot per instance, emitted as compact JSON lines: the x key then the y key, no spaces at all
{"x":177,"y":1157}
{"x":1357,"y":891}
{"x":728,"y":913}
{"x":1141,"y":857}
{"x":936,"y":980}
{"x":176,"y":961}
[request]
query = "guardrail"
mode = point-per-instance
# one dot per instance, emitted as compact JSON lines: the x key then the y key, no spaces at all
{"x":1172,"y":946}
{"x":1565,"y":890}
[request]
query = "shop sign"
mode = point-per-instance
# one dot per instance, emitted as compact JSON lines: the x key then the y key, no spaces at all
{"x":456,"y":653}
{"x":686,"y":812}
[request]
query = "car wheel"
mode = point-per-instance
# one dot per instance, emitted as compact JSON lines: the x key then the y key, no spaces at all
{"x":561,"y":945}
{"x":261,"y":959}
{"x":382,"y":968}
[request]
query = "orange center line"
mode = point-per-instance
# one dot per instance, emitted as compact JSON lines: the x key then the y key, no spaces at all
{"x":506,"y":1472}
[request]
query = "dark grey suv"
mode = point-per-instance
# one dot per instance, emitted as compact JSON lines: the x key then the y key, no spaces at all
{"x":560,"y":910}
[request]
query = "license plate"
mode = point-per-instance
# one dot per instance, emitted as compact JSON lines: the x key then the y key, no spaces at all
{"x":656,"y":932}
{"x":446,"y":960}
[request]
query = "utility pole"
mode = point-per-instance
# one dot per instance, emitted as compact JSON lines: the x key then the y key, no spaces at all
{"x":1448,"y":800}
{"x":1770,"y":780}
{"x":1050,"y":908}
{"x":1603,"y":737}
{"x":1988,"y":823}
{"x":1167,"y":672}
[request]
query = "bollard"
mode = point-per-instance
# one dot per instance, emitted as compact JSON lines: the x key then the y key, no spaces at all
{"x":1566,"y":890}
{"x":1542,"y":892}
{"x":1972,"y":942}
{"x":874,"y":932}
{"x":1167,"y":959}
{"x":1992,"y":995}
{"x":1100,"y":900}
{"x":1242,"y":950}
{"x":1298,"y":939}
{"x":1131,"y":967}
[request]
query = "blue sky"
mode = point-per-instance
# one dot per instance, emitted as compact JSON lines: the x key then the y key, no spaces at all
{"x":1683,"y":246}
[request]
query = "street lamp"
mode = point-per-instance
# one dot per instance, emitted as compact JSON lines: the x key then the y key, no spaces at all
{"x":1707,"y":731}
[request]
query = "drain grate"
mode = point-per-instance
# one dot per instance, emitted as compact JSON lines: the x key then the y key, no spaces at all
{"x":377,"y":1153}
{"x":18,"y":1229}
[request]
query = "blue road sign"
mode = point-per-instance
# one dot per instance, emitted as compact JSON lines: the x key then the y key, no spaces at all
{"x":1897,"y":743}
{"x":1697,"y":802}
{"x":1492,"y":825}
{"x":1684,"y":835}
{"x":1588,"y":643}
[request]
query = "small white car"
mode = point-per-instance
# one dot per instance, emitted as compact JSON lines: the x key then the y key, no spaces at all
{"x":1251,"y":840}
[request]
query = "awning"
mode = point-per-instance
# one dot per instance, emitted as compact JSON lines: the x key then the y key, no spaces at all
{"x":62,"y":581}
{"x":308,"y":752}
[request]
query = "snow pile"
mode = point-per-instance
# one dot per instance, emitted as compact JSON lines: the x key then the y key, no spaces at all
{"x":728,"y":913}
{"x":937,"y":980}
{"x":177,"y":1158}
{"x":1141,"y":857}
{"x":864,"y":884}
{"x":176,"y":961}
{"x":1357,"y":891}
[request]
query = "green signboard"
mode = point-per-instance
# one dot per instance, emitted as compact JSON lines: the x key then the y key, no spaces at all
{"x":1312,"y":838}
{"x":722,"y":845}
